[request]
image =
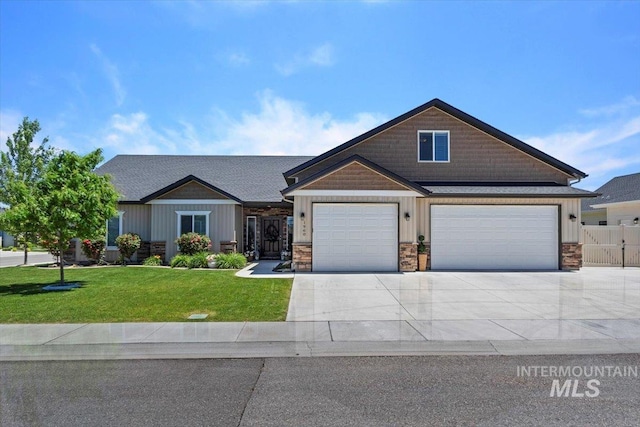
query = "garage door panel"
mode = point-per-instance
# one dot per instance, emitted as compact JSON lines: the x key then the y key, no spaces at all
{"x":494,"y":237}
{"x":355,"y":237}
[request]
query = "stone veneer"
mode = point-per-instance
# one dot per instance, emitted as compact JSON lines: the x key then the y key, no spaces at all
{"x":302,"y":256}
{"x":408,"y":257}
{"x":571,"y":256}
{"x":158,"y":248}
{"x":282,"y":212}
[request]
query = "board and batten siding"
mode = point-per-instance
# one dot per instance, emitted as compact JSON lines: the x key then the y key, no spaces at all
{"x":303,"y":227}
{"x":570,"y":230}
{"x":164,"y":227}
{"x":136,"y":219}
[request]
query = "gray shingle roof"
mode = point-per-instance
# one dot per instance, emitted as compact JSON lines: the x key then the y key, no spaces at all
{"x":507,"y":191}
{"x":249,"y":178}
{"x":620,"y":189}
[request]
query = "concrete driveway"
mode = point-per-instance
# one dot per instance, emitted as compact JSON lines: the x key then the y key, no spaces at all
{"x":593,"y":303}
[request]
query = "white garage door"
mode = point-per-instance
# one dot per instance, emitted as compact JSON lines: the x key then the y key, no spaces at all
{"x":355,"y":237}
{"x":494,"y":237}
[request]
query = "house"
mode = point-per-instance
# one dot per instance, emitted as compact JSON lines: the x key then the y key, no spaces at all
{"x":6,"y":239}
{"x":617,"y":204}
{"x":482,"y":199}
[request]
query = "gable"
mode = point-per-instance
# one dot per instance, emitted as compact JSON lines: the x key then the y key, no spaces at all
{"x":478,"y":152}
{"x":192,"y":191}
{"x":354,"y":176}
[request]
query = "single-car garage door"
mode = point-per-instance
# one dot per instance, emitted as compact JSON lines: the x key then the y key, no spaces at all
{"x":494,"y":237}
{"x":355,"y":237}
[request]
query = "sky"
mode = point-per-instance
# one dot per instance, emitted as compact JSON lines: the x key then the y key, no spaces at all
{"x":299,"y":78}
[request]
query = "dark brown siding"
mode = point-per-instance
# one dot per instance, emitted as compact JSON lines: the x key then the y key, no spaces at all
{"x":192,"y":190}
{"x":474,"y":155}
{"x":354,"y":177}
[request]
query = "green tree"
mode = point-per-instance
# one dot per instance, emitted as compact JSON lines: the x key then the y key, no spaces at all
{"x":21,"y":167}
{"x":75,"y":201}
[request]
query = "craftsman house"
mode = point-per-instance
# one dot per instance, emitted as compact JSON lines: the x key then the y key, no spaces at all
{"x":482,"y":199}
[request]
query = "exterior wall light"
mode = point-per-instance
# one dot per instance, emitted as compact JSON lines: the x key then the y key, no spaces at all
{"x":407,"y":216}
{"x":301,"y":215}
{"x":635,"y":220}
{"x":572,"y":217}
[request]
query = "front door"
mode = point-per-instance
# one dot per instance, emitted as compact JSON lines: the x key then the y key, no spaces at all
{"x":271,"y":239}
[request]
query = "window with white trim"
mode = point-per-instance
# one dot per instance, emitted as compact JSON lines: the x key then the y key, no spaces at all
{"x":433,"y":146}
{"x":193,"y":221}
{"x":114,"y":229}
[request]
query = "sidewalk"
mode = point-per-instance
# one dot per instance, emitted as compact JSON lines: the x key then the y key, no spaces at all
{"x":265,"y":339}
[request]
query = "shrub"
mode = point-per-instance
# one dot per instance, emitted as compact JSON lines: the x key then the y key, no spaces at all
{"x":198,"y":260}
{"x":153,"y":260}
{"x":52,"y":247}
{"x":193,"y":243}
{"x":422,"y":248}
{"x":179,"y":261}
{"x":233,"y":260}
{"x":128,"y":244}
{"x":94,"y":249}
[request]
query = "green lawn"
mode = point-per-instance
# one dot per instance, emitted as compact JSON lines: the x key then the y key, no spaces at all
{"x":139,"y":294}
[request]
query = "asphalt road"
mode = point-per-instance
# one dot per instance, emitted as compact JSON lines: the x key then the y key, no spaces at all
{"x":372,"y":391}
{"x":10,"y":259}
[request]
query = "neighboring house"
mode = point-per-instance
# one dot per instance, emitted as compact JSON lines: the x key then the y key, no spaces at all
{"x":6,"y":239}
{"x":482,"y":199}
{"x":618,"y":202}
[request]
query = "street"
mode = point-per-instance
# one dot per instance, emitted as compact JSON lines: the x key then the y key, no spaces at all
{"x":369,"y":391}
{"x":10,"y":259}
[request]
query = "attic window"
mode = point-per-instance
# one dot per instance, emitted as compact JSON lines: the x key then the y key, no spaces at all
{"x":433,"y":146}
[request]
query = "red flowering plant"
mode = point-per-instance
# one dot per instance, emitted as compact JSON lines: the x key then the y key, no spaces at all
{"x":53,"y":248}
{"x":193,"y":243}
{"x":94,"y":249}
{"x":127,"y":244}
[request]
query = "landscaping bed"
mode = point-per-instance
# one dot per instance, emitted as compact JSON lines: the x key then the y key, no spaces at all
{"x":139,"y":294}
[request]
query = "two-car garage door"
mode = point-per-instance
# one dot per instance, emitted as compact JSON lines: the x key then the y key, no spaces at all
{"x":491,"y":237}
{"x":355,"y":237}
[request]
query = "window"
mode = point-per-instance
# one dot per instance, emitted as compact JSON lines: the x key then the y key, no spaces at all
{"x":196,"y":222}
{"x":289,"y":234}
{"x":433,"y":146}
{"x":114,"y":229}
{"x":251,"y":234}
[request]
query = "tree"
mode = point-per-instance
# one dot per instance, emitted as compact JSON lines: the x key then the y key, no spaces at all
{"x":75,"y":202}
{"x":21,"y":167}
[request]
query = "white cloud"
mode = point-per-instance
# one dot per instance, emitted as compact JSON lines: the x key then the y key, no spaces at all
{"x":278,"y":127}
{"x":237,"y":59}
{"x":132,"y":134}
{"x":600,"y":151}
{"x":9,"y":122}
{"x":112,"y":73}
{"x":283,"y":126}
{"x":626,"y":104}
{"x":321,"y":56}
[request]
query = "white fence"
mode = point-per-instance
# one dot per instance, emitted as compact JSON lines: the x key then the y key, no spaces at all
{"x":606,"y":245}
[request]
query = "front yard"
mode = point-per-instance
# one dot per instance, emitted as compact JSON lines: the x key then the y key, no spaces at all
{"x":139,"y":294}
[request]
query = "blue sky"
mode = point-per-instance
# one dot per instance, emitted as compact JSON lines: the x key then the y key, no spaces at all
{"x":187,"y":77}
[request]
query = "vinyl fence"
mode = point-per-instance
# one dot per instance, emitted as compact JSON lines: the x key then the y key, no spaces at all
{"x":610,"y":246}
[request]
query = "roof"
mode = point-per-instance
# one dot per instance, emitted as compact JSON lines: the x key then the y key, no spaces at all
{"x":620,"y":189}
{"x":246,"y":178}
{"x":355,"y":158}
{"x":460,"y":115}
{"x":507,"y":191}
